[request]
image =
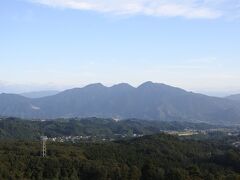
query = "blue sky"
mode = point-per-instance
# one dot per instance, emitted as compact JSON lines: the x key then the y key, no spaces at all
{"x":58,"y":44}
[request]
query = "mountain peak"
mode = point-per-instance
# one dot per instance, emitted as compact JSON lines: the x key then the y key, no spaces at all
{"x":149,"y":84}
{"x":122,"y":86}
{"x":95,"y":85}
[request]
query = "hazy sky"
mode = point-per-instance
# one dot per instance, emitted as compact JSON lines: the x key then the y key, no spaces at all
{"x":192,"y":44}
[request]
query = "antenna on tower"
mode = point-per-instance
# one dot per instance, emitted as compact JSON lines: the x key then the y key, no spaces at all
{"x":44,"y":146}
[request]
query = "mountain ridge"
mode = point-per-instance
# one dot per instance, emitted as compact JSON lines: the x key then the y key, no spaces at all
{"x":153,"y":101}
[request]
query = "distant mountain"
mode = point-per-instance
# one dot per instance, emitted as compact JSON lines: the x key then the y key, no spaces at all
{"x":235,"y":97}
{"x":39,"y":94}
{"x":151,"y":101}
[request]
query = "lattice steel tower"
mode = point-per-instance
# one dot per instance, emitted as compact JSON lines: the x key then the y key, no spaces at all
{"x":44,"y":146}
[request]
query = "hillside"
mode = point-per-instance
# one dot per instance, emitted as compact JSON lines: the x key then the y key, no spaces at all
{"x":150,"y":101}
{"x":235,"y":97}
{"x":151,"y":157}
{"x":12,"y":128}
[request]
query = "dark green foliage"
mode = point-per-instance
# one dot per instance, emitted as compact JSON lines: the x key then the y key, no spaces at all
{"x":153,"y":157}
{"x":26,"y":129}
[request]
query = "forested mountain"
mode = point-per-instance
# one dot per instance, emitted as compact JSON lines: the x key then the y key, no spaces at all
{"x":151,"y":101}
{"x":156,"y":157}
{"x":13,"y":128}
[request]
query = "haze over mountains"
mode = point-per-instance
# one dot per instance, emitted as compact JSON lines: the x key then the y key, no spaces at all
{"x":150,"y":101}
{"x":39,"y":94}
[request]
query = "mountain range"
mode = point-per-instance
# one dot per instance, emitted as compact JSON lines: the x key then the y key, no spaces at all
{"x":150,"y":101}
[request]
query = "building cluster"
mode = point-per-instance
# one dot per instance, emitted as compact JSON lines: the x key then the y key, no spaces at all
{"x":69,"y":138}
{"x":191,"y":132}
{"x":85,"y":138}
{"x":236,"y":144}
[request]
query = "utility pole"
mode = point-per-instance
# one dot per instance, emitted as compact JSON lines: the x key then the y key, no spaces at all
{"x":44,"y":146}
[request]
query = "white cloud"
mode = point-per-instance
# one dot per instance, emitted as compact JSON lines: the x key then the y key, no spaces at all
{"x":207,"y":9}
